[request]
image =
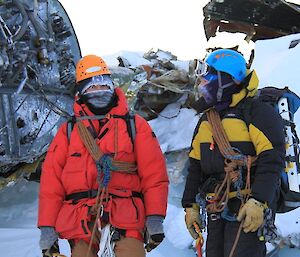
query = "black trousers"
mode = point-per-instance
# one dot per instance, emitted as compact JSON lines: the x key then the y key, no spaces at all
{"x":221,"y":237}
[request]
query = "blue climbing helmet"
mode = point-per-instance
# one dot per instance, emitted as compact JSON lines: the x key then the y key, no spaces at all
{"x":228,"y":61}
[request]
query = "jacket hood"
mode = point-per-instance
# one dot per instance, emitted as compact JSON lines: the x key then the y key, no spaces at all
{"x":120,"y":109}
{"x":250,"y":87}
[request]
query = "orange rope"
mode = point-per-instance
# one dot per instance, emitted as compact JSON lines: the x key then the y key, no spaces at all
{"x":199,"y":240}
{"x":93,"y":148}
{"x":221,"y":193}
{"x":89,"y":141}
{"x":96,"y":154}
{"x":247,"y":186}
{"x":97,"y":208}
{"x":221,"y":196}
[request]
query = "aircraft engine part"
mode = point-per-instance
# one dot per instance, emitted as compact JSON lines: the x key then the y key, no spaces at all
{"x":38,"y":53}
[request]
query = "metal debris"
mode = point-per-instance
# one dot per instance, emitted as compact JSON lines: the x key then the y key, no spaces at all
{"x":155,"y":86}
{"x":38,"y":53}
{"x":258,"y":19}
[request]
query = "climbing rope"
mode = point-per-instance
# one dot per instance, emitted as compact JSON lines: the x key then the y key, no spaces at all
{"x":199,"y":240}
{"x":93,"y":148}
{"x":104,"y":164}
{"x":234,"y":160}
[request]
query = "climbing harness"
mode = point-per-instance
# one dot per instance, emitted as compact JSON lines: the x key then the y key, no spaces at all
{"x":104,"y":164}
{"x":202,"y":210}
{"x":234,"y":160}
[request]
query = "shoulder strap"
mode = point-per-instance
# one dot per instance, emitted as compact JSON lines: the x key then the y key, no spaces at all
{"x":245,"y":109}
{"x":132,"y":128}
{"x":70,"y":125}
{"x":129,"y":119}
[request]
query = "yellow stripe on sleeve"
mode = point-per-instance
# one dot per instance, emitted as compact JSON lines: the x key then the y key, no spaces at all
{"x":259,"y":140}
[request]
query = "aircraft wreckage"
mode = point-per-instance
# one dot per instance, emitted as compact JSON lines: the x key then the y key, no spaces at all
{"x":258,"y":19}
{"x":39,"y":50}
{"x":38,"y":53}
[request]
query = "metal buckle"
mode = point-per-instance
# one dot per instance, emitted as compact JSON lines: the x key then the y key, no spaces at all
{"x":209,"y":197}
{"x":214,"y":216}
{"x":101,"y":210}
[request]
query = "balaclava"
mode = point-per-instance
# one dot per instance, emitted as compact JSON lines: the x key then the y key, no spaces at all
{"x":218,"y":91}
{"x":98,"y":101}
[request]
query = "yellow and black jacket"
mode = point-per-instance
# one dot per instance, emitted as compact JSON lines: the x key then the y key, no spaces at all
{"x":262,"y":135}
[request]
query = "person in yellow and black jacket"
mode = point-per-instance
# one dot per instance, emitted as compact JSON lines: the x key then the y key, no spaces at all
{"x":235,"y":175}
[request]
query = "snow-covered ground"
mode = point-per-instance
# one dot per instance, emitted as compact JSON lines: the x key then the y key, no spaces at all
{"x":276,"y":65}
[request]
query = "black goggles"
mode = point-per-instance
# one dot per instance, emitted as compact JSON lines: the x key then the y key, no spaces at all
{"x":202,"y":69}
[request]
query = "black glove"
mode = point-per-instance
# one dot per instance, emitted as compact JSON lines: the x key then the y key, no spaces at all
{"x":154,"y":233}
{"x":49,"y":241}
{"x":52,"y":251}
{"x":153,"y":241}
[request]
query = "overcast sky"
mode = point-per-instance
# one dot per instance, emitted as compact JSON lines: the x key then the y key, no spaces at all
{"x":107,"y":27}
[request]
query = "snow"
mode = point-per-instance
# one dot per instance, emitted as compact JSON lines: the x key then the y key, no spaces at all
{"x":275,"y":64}
{"x":293,"y":226}
{"x":226,"y":39}
{"x":135,"y":59}
{"x":167,"y":129}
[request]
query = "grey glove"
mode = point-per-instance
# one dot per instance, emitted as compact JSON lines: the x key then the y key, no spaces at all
{"x":155,"y":231}
{"x":48,"y":237}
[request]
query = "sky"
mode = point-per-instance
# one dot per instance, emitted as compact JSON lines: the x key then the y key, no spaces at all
{"x":107,"y":27}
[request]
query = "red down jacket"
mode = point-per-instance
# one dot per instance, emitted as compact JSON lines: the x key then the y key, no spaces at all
{"x":69,"y":168}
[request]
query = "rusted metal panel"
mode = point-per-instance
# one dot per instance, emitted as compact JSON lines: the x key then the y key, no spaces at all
{"x":259,"y":19}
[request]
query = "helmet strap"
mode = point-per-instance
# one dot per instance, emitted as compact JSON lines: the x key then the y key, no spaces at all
{"x":221,"y":87}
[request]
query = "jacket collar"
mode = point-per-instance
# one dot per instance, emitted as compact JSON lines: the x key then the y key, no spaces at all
{"x":250,"y":87}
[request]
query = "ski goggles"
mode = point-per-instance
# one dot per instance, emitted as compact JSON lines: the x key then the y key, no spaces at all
{"x":202,"y":68}
{"x":100,"y":80}
{"x":205,"y":71}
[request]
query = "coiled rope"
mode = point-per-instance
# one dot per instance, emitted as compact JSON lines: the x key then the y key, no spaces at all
{"x":233,"y":161}
{"x":104,"y":164}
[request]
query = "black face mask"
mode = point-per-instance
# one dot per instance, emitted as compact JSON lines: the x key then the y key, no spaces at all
{"x":98,"y":99}
{"x":99,"y":111}
{"x":201,"y":105}
{"x":219,"y":97}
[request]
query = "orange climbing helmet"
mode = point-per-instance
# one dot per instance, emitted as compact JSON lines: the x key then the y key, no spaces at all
{"x":90,"y":66}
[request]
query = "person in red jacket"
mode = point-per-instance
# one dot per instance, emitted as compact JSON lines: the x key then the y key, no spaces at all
{"x":127,"y":187}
